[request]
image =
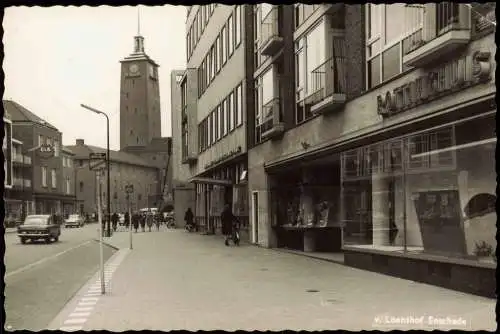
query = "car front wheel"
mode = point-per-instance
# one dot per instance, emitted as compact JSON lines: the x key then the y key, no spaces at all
{"x":56,"y":238}
{"x":47,"y":240}
{"x":23,"y":240}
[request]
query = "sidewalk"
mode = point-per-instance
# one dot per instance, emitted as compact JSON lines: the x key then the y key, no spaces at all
{"x":177,"y":280}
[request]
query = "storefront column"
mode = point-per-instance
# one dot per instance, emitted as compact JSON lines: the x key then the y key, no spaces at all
{"x":380,"y":211}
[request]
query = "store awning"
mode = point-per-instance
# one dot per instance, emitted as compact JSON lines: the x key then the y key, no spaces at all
{"x":207,"y":180}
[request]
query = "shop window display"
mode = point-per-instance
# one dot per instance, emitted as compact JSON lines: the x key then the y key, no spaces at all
{"x":425,"y":193}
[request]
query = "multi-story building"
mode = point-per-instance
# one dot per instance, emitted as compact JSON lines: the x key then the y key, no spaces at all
{"x":36,"y":169}
{"x":387,"y":154}
{"x":125,"y":168}
{"x":369,"y":132}
{"x":69,"y":179}
{"x":208,"y":113}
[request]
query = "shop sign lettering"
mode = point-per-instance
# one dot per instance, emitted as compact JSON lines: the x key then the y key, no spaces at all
{"x":443,"y":80}
{"x":224,"y":157}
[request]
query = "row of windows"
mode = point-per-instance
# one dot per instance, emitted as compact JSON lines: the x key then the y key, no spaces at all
{"x":221,"y":51}
{"x":226,"y":117}
{"x":198,"y":27}
{"x":53,"y":177}
{"x":51,"y":142}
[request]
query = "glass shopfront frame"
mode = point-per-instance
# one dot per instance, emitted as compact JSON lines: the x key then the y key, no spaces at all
{"x":430,"y":192}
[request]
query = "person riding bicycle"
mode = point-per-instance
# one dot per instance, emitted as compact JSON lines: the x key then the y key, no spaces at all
{"x":228,"y":219}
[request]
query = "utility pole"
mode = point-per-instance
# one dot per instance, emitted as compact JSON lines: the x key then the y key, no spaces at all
{"x":99,"y":219}
{"x":129,"y":189}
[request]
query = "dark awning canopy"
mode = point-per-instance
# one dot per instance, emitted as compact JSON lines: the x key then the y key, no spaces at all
{"x":207,"y":180}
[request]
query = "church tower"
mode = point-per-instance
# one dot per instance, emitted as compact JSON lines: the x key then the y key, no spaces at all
{"x":140,"y":117}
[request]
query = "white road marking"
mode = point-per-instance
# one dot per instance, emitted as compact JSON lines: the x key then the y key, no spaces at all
{"x":83,"y":309}
{"x":79,"y":314}
{"x":89,"y":298}
{"x":87,"y":303}
{"x":75,"y":321}
{"x":45,"y":259}
{"x":70,"y":328}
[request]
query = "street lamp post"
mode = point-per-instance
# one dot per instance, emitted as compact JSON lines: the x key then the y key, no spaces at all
{"x":108,"y":227}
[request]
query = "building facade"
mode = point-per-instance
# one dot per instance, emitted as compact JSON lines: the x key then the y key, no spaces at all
{"x":125,"y":168}
{"x":387,"y":155}
{"x":38,"y":164}
{"x":69,"y":179}
{"x":210,"y":108}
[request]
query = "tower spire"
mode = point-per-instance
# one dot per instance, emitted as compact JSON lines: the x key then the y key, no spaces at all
{"x":138,"y":21}
{"x":139,"y":40}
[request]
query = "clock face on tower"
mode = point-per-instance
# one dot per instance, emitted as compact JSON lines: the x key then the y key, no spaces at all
{"x":134,"y":69}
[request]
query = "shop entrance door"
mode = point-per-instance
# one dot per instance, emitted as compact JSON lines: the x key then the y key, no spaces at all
{"x":255,"y":217}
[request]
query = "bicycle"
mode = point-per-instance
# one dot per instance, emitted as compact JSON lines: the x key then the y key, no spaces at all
{"x":235,"y":235}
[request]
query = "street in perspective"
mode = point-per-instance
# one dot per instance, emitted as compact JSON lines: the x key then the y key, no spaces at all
{"x":307,"y":167}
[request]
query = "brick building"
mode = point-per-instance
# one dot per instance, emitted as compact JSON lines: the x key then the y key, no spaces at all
{"x":125,"y":168}
{"x":37,"y":175}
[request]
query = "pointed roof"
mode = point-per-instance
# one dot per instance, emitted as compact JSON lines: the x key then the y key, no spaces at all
{"x":83,"y":151}
{"x":18,"y":113}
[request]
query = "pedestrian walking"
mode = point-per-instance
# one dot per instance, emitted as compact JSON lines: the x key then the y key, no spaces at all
{"x":127,"y":220}
{"x":114,"y":220}
{"x":189,"y":219}
{"x":135,"y":221}
{"x":227,"y":219}
{"x":149,"y":221}
{"x":142,"y":220}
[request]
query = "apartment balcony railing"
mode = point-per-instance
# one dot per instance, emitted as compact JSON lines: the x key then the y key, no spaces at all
{"x":272,"y":125}
{"x":271,"y":41}
{"x":446,"y":27}
{"x":329,"y":86}
{"x":21,"y":159}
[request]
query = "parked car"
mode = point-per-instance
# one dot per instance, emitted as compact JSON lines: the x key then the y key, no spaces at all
{"x":74,"y":220}
{"x":39,"y":227}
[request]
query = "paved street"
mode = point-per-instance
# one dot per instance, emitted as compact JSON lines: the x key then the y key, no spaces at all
{"x":179,"y":280}
{"x":41,"y":278}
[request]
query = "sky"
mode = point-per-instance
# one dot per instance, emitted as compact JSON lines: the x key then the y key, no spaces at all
{"x":59,"y":57}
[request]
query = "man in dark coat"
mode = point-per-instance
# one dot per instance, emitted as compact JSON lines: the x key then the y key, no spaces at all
{"x":135,"y":221}
{"x":142,"y":220}
{"x":114,"y":220}
{"x":189,"y":218}
{"x":227,"y":219}
{"x":127,"y":219}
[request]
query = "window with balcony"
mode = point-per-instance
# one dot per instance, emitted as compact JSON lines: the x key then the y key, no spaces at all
{"x":266,"y":102}
{"x":44,"y":176}
{"x":68,"y":186}
{"x":310,"y":53}
{"x":389,"y":39}
{"x":40,"y":140}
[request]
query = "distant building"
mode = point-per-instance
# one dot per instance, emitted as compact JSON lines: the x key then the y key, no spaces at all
{"x":37,"y":176}
{"x":125,"y":168}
